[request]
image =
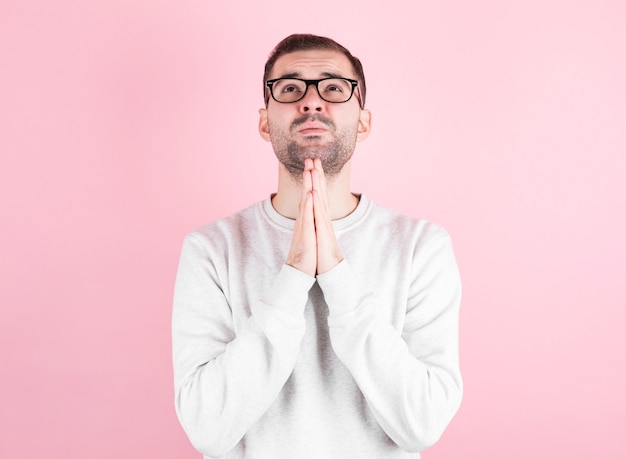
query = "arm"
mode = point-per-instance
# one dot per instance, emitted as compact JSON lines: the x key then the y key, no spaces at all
{"x":225,"y":381}
{"x":410,"y":379}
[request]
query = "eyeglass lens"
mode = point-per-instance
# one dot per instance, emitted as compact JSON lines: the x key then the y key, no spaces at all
{"x":330,"y":89}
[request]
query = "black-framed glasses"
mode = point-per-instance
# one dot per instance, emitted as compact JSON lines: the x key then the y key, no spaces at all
{"x":289,"y":90}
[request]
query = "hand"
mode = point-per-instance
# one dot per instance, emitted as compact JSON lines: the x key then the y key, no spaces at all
{"x":314,"y":248}
{"x":328,"y":253}
{"x":302,"y":254}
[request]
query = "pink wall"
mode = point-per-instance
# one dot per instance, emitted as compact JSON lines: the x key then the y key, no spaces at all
{"x":125,"y":124}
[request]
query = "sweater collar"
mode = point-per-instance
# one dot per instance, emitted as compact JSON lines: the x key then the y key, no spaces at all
{"x":343,"y":224}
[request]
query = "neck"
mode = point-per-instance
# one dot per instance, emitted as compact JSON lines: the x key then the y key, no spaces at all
{"x":341,"y":202}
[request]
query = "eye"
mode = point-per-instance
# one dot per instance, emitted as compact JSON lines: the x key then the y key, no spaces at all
{"x":289,"y":88}
{"x":334,"y":88}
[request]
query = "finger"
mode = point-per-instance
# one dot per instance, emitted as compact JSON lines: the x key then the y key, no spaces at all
{"x":319,"y":177}
{"x":307,"y":218}
{"x":307,"y":186}
{"x":319,"y":187}
{"x":317,"y":164}
{"x":307,"y":181}
{"x":315,"y":180}
{"x":328,"y":253}
{"x":320,"y":211}
{"x":324,"y":230}
{"x":318,"y":181}
{"x":302,"y":254}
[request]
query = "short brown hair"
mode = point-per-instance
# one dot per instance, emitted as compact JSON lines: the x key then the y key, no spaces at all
{"x":303,"y":42}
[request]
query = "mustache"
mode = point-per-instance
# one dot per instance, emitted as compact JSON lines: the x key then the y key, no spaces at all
{"x":304,"y":118}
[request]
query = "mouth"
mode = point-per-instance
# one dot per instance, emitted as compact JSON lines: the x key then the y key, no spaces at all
{"x":312,"y":130}
{"x":312,"y":126}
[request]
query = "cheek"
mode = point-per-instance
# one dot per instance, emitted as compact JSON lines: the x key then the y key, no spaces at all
{"x":351,"y":123}
{"x":272,"y":126}
{"x":277,"y":132}
{"x":276,"y":121}
{"x":344,"y":114}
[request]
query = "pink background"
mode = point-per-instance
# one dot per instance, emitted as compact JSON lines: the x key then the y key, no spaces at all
{"x":126,"y":124}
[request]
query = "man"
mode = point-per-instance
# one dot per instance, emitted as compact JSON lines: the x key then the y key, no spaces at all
{"x":316,"y":323}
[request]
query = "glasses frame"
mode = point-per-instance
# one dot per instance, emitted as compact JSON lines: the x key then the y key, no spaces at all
{"x":353,"y":83}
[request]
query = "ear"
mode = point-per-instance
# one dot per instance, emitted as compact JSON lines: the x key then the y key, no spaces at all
{"x":365,"y":125}
{"x":264,"y":128}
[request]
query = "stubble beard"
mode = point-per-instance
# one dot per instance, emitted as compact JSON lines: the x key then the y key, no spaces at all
{"x":333,"y":154}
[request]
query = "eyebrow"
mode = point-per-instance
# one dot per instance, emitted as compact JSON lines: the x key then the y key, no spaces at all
{"x":324,"y":75}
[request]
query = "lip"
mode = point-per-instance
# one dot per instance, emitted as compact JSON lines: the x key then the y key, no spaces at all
{"x":312,"y":129}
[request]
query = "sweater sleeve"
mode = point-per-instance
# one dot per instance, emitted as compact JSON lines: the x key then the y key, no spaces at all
{"x":225,"y":381}
{"x":410,"y":378}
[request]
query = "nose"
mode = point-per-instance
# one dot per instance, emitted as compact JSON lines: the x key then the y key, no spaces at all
{"x":311,"y":100}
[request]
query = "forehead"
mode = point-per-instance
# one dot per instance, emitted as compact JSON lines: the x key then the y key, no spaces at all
{"x":312,"y":63}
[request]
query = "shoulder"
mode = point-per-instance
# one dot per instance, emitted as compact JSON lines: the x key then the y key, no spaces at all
{"x":219,"y":233}
{"x":397,"y":225}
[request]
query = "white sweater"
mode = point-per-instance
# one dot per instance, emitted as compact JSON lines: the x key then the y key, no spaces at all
{"x":360,"y":362}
